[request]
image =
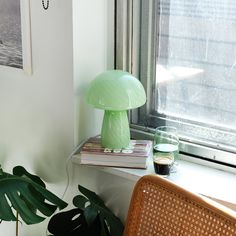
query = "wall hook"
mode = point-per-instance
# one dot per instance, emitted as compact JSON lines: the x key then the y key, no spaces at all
{"x":45,"y":5}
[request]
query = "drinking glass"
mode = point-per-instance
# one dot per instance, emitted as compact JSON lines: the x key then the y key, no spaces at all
{"x":165,"y":149}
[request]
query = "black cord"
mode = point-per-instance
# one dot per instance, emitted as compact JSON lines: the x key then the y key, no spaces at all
{"x":45,"y":6}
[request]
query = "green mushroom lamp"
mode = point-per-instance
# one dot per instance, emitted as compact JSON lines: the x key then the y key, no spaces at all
{"x":115,"y":91}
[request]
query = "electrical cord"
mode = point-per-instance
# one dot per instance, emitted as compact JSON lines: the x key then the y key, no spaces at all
{"x":74,"y":151}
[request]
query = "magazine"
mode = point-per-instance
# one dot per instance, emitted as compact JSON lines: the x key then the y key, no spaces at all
{"x":134,"y":156}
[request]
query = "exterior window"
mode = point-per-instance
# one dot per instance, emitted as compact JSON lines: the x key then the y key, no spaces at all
{"x":184,"y":52}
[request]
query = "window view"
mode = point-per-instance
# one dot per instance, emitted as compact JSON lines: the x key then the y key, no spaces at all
{"x":195,"y":74}
{"x":184,"y":53}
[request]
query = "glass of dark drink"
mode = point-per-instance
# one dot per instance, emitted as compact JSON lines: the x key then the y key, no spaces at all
{"x":163,"y":163}
{"x":165,"y":149}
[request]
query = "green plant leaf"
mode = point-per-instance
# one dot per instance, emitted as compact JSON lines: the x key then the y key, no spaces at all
{"x":90,"y":214}
{"x":1,"y":171}
{"x":95,"y":219}
{"x":92,"y":196}
{"x":21,"y":171}
{"x":80,"y":201}
{"x":6,"y":212}
{"x":116,"y":227}
{"x":14,"y":190}
{"x":104,"y":227}
{"x":72,"y":223}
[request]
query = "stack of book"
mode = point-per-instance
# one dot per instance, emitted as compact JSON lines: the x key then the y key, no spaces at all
{"x":134,"y":156}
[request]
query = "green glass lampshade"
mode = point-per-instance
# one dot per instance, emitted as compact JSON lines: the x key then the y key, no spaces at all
{"x":116,"y":91}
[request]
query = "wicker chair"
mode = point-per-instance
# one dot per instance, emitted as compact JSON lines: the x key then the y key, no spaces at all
{"x":160,"y":207}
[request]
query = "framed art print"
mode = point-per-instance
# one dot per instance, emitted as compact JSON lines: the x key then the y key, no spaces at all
{"x":15,"y":36}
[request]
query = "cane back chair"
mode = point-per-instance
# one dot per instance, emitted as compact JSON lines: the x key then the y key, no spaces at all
{"x":159,"y":207}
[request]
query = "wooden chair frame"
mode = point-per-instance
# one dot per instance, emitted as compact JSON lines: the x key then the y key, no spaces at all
{"x":160,"y":207}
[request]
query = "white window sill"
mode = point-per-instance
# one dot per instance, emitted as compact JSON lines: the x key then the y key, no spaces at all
{"x":216,"y":184}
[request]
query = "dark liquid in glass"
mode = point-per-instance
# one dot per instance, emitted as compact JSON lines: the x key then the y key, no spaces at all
{"x":162,"y":169}
{"x":163,"y":158}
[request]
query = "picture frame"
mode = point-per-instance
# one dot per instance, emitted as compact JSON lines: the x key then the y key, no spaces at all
{"x":15,"y":37}
{"x":26,"y":36}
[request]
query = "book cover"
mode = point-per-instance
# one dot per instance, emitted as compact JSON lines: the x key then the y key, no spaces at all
{"x":134,"y":156}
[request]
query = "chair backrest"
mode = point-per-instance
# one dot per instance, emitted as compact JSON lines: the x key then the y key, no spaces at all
{"x":160,"y":207}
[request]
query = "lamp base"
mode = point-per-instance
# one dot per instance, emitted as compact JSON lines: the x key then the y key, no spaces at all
{"x":115,"y":130}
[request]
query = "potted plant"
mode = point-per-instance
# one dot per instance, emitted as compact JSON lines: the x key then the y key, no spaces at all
{"x":22,"y":195}
{"x":91,"y":217}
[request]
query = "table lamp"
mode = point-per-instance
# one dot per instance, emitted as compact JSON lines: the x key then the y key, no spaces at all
{"x":115,"y":91}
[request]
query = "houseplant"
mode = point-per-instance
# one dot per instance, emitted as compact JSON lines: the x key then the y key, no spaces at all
{"x":22,"y":195}
{"x":91,"y":217}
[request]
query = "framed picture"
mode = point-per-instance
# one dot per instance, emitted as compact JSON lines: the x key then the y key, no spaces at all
{"x":15,"y":35}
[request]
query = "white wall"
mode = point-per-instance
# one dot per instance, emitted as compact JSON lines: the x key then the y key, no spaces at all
{"x":37,"y":112}
{"x":93,"y":53}
{"x":43,"y":116}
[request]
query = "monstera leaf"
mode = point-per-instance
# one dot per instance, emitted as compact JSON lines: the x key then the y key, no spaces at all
{"x":90,"y":217}
{"x":26,"y":194}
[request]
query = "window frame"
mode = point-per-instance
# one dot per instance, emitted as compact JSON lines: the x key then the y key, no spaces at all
{"x":127,"y":57}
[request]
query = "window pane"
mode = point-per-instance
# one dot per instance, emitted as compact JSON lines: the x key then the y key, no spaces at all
{"x":196,"y":64}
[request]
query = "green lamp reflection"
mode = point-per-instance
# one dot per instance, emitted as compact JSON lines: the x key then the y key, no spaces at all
{"x":115,"y":91}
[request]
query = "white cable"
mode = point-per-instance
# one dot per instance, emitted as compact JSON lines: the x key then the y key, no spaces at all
{"x":75,"y":150}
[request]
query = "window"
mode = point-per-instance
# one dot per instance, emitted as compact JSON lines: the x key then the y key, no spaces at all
{"x":184,"y":53}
